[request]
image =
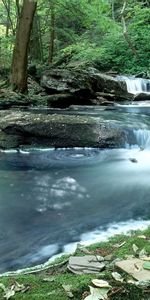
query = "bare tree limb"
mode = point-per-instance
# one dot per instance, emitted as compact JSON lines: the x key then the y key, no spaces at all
{"x":17,"y":8}
{"x":113,"y":9}
{"x":7,"y":7}
{"x":125,"y":31}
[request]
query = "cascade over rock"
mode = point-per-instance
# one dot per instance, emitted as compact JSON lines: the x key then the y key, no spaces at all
{"x":142,"y":138}
{"x":139,"y":87}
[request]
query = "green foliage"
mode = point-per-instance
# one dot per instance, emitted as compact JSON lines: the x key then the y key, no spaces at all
{"x":112,"y":51}
{"x":6,"y":51}
{"x":87,"y":32}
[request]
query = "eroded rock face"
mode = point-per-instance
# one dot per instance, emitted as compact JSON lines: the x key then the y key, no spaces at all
{"x":19,"y":129}
{"x":67,"y":81}
{"x":110,"y":85}
{"x":81,"y":87}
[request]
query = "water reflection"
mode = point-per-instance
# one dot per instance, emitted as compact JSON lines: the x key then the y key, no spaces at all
{"x":58,"y":196}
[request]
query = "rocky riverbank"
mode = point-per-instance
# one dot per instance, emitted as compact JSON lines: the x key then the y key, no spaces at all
{"x":62,"y":87}
{"x":57,"y":282}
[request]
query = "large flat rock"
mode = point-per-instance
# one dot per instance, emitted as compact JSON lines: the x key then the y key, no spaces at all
{"x":134,"y":267}
{"x":18,"y":128}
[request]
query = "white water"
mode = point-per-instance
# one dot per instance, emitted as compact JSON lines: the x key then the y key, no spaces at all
{"x":143,"y":138}
{"x":102,"y":235}
{"x":136,"y":85}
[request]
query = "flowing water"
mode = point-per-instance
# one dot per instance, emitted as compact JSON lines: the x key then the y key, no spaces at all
{"x":136,"y":85}
{"x":52,"y":199}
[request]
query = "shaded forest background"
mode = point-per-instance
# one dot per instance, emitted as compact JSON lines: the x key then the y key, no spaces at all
{"x":109,"y":34}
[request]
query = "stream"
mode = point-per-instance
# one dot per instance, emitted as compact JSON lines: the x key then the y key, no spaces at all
{"x":51,"y":199}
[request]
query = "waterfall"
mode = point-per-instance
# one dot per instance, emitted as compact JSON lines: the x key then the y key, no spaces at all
{"x":142,"y":138}
{"x":136,"y":85}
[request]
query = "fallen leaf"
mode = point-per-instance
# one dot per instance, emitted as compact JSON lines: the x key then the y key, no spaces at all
{"x":142,"y":237}
{"x":135,"y":248}
{"x":9,"y":293}
{"x":49,"y":279}
{"x":98,"y":293}
{"x":129,"y":256}
{"x":117,"y":276}
{"x":101,"y":283}
{"x":51,"y":293}
{"x":131,"y":281}
{"x":17,"y":287}
{"x":142,"y":253}
{"x":146,"y":258}
{"x":120,"y":245}
{"x":67,"y":289}
{"x":25,"y":289}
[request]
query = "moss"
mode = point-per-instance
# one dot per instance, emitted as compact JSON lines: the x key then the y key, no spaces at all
{"x":50,"y":290}
{"x":112,"y":246}
{"x":41,"y":290}
{"x":129,"y":292}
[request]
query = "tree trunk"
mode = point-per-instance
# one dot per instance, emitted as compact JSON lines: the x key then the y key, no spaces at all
{"x":36,"y":41}
{"x":20,"y":53}
{"x":52,"y":35}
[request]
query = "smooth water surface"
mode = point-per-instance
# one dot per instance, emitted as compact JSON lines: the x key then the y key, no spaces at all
{"x":52,"y":198}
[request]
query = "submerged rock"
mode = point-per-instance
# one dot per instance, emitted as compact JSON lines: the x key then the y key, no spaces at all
{"x":142,"y":96}
{"x":134,"y":160}
{"x":57,"y":130}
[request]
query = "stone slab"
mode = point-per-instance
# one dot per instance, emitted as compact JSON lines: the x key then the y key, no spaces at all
{"x":134,"y":267}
